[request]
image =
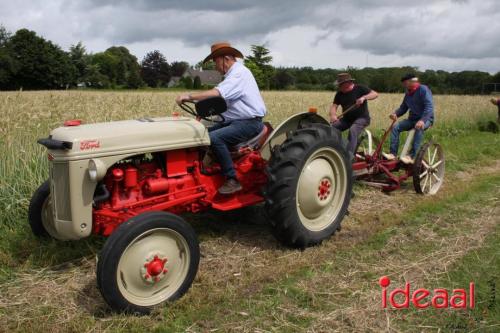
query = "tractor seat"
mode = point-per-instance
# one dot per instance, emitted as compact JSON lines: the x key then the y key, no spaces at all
{"x":257,"y":141}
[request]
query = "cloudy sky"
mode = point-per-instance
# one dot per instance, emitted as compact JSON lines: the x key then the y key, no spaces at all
{"x":438,"y":34}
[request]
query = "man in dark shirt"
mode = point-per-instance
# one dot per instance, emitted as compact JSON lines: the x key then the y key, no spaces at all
{"x":356,"y":119}
{"x":496,"y":101}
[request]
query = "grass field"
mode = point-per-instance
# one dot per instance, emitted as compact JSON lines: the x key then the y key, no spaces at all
{"x":247,"y":281}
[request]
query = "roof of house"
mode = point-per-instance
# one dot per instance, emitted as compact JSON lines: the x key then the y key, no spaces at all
{"x":206,"y":76}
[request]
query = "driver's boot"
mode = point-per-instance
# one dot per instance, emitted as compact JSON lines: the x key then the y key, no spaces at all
{"x":230,"y":186}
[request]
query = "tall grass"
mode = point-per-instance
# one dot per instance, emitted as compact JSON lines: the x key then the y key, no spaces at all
{"x":27,"y":116}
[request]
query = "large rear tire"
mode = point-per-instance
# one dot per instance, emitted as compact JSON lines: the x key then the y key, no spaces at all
{"x":309,"y":187}
{"x":148,"y":260}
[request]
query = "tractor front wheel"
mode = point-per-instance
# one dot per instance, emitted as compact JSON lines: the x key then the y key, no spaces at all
{"x":40,"y":216}
{"x":148,"y":260}
{"x":310,"y":185}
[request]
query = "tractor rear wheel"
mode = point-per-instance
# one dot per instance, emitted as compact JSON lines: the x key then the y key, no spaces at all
{"x":40,"y":216}
{"x":428,"y":169}
{"x":309,"y":187}
{"x":148,"y":260}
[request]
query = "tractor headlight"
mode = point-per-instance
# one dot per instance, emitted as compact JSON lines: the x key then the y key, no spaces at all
{"x":97,"y":170}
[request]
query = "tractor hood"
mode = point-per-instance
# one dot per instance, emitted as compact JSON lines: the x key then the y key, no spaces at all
{"x":125,"y":137}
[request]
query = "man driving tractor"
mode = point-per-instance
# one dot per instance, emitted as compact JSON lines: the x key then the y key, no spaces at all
{"x":245,"y":109}
{"x":353,"y":99}
{"x":417,"y":99}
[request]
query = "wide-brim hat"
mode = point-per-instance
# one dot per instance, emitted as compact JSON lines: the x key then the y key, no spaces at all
{"x":222,"y":49}
{"x":344,"y":77}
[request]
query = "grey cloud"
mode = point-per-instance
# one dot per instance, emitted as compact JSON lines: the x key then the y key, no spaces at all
{"x":449,"y":30}
{"x":195,"y":26}
{"x":468,"y":34}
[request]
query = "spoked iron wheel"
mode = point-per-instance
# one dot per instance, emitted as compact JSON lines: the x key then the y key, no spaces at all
{"x":428,"y":170}
{"x":367,"y":143}
{"x":148,"y":260}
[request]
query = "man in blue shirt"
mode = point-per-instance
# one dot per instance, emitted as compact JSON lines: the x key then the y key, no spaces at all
{"x":417,"y":99}
{"x":245,"y":109}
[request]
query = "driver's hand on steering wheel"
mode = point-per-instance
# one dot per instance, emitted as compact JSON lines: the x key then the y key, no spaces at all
{"x":182,"y":98}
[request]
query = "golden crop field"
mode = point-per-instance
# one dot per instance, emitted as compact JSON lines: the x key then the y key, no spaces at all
{"x":28,"y":116}
{"x":35,"y":110}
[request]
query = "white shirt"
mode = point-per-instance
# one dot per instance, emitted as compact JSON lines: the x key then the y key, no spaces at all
{"x":241,"y":93}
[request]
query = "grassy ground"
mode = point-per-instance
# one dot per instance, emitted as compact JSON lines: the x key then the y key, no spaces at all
{"x":247,"y":282}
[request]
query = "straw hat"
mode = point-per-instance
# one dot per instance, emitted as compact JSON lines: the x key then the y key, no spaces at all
{"x":222,"y":49}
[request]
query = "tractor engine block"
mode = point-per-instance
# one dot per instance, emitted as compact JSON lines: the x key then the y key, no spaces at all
{"x":139,"y":185}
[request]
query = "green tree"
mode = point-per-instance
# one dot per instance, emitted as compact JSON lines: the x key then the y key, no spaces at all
{"x":119,"y":66}
{"x":7,"y":63}
{"x":187,"y":82}
{"x":178,"y":68}
{"x":258,"y":74}
{"x":259,"y":63}
{"x":210,"y":65}
{"x":39,"y":63}
{"x":282,"y":79}
{"x":155,"y":70}
{"x":127,"y":68}
{"x":95,"y":78}
{"x":79,"y":59}
{"x":197,"y":82}
{"x":4,"y":36}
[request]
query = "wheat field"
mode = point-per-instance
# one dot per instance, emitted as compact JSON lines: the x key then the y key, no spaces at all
{"x":27,"y":116}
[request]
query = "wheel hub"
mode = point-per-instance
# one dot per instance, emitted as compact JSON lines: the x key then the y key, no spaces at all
{"x":324,"y":189}
{"x":154,"y":269}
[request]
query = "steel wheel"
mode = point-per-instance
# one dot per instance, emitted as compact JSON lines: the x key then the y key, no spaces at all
{"x":153,"y":267}
{"x":367,"y":144}
{"x":148,"y":260}
{"x":321,"y":188}
{"x":429,"y":168}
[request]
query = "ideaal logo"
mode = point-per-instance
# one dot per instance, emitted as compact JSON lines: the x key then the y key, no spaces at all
{"x":423,"y":298}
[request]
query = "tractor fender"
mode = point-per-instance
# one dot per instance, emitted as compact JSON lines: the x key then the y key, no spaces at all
{"x":281,"y":132}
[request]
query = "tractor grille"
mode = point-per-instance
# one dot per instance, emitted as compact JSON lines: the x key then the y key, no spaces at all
{"x":60,"y":190}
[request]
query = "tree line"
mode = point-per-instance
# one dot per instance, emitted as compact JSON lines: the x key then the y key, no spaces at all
{"x":28,"y":61}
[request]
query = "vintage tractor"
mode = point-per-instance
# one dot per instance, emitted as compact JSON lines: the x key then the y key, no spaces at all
{"x":131,"y":180}
{"x":371,"y":168}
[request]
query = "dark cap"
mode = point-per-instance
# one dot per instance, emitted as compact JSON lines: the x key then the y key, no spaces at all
{"x":408,"y":76}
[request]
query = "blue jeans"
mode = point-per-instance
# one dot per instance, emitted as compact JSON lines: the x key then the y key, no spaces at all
{"x":406,"y":125}
{"x":355,"y":129}
{"x":230,"y":133}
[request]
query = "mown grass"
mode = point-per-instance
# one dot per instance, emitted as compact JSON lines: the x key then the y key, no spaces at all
{"x":289,"y":306}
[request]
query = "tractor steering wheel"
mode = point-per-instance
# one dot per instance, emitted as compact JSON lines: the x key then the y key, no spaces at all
{"x":213,"y":106}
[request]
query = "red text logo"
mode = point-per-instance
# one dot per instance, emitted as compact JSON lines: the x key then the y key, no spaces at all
{"x":422,"y":298}
{"x":89,"y":144}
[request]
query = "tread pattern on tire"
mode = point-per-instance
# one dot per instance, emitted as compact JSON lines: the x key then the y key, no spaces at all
{"x":35,"y":210}
{"x":283,"y":171}
{"x":110,"y":254}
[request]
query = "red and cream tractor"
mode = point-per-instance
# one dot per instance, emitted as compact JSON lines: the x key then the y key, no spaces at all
{"x":132,"y":181}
